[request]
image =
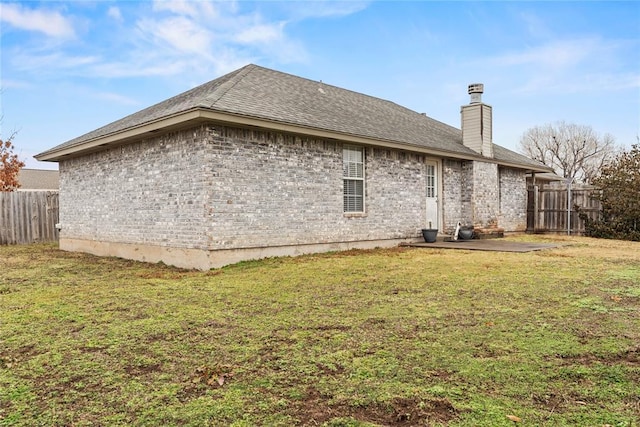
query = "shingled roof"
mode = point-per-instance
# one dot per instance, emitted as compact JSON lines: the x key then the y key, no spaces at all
{"x":277,"y":98}
{"x":38,"y":179}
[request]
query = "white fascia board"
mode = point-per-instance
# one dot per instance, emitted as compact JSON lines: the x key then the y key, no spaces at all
{"x":118,"y":137}
{"x":206,"y":115}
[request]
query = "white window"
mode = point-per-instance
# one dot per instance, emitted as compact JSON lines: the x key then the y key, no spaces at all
{"x":431,"y":190}
{"x":353,"y":178}
{"x":431,"y":180}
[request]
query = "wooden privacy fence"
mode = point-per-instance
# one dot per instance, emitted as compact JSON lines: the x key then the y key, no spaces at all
{"x":28,"y":217}
{"x":547,"y":208}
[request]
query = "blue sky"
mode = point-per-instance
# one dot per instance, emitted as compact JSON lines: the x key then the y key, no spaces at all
{"x":70,"y":67}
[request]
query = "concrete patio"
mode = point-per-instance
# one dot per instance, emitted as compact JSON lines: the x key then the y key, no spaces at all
{"x":497,"y":245}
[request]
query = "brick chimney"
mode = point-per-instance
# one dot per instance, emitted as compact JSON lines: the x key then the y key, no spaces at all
{"x":477,"y":122}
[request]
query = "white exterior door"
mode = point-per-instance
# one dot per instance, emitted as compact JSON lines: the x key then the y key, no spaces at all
{"x":432,"y":211}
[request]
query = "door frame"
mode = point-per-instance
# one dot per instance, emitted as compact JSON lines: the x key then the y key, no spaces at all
{"x":437,"y":163}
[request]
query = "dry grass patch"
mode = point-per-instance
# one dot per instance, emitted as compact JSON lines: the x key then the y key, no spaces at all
{"x":403,"y":337}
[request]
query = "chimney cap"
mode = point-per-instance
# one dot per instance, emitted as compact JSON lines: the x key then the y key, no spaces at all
{"x":476,"y":88}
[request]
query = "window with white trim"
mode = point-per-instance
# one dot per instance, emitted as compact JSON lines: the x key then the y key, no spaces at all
{"x":431,"y":180}
{"x":353,"y":178}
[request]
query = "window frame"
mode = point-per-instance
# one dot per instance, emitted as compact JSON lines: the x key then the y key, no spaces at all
{"x":431,"y":180}
{"x":350,"y":171}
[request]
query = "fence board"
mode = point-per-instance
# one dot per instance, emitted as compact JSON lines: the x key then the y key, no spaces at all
{"x":547,"y":208}
{"x":28,"y":217}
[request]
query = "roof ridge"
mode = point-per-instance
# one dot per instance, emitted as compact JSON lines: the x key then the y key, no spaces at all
{"x":210,"y":100}
{"x":343,"y":89}
{"x":376,"y":98}
{"x":274,"y":96}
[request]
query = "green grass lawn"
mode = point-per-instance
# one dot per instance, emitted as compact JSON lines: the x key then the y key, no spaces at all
{"x":400,"y":337}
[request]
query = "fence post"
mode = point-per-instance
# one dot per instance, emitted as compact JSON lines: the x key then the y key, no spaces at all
{"x":536,"y":207}
{"x":569,"y":181}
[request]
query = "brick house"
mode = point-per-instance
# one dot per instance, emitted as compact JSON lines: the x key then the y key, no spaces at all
{"x":261,"y":163}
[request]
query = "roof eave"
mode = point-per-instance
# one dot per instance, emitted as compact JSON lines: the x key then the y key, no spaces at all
{"x":120,"y":137}
{"x":200,"y":114}
{"x":526,"y":167}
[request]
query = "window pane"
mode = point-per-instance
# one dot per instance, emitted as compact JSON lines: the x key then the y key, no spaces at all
{"x":353,"y":187}
{"x":356,"y":204}
{"x":353,"y":204}
{"x":353,"y":196}
{"x":353,"y":172}
{"x":352,"y":155}
{"x":353,"y":166}
{"x":431,"y":181}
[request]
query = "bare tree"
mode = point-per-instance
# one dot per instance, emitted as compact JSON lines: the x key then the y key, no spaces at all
{"x":573,"y":151}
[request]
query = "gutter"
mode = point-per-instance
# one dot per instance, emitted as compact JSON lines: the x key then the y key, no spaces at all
{"x":206,"y":115}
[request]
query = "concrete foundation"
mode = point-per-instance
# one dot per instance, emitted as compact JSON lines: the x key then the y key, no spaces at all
{"x":205,"y":259}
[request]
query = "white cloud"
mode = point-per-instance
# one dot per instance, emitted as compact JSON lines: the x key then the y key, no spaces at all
{"x":115,"y":13}
{"x":300,"y":10}
{"x":149,"y":66}
{"x":536,"y":26}
{"x":261,"y":33}
{"x":179,"y":33}
{"x":210,"y":36}
{"x":116,"y":98}
{"x":589,"y":82}
{"x":566,"y":66}
{"x":14,"y":84}
{"x":614,"y":82}
{"x":49,"y":22}
{"x":186,"y":8}
{"x":557,"y":54}
{"x":42,"y":63}
{"x":170,"y":38}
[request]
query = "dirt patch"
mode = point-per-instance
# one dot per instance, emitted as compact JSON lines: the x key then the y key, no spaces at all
{"x":141,"y":370}
{"x":630,"y":357}
{"x":328,"y":328}
{"x":440,"y":374}
{"x":214,"y":324}
{"x":487,"y":351}
{"x":396,"y":250}
{"x":333,"y":369}
{"x":553,"y":402}
{"x":93,"y":348}
{"x":204,"y":378}
{"x":162,"y":274}
{"x":316,"y":409}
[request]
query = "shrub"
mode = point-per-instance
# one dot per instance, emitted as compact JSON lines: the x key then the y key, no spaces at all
{"x":619,"y":194}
